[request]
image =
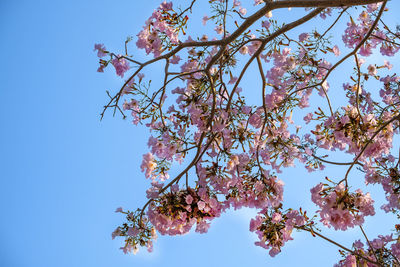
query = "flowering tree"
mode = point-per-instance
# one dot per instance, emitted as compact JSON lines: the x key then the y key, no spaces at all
{"x":232,"y":151}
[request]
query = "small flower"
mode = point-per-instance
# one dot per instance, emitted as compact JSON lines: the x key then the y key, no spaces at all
{"x":166,"y":6}
{"x":336,"y":50}
{"x":140,"y":76}
{"x":175,"y":59}
{"x":387,"y":65}
{"x":201,"y":205}
{"x":219,"y":29}
{"x":121,"y":65}
{"x":304,"y":37}
{"x":266,"y":24}
{"x":204,"y":20}
{"x":189,"y":199}
{"x":101,"y":50}
{"x":174,"y":188}
{"x":276,"y":217}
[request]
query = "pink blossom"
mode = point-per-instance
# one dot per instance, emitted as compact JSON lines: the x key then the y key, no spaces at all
{"x":148,"y":165}
{"x":396,"y":249}
{"x":116,"y":233}
{"x":244,"y":50}
{"x":276,"y":217}
{"x":121,"y":65}
{"x":189,"y":199}
{"x":336,"y":50}
{"x":304,"y":37}
{"x":308,"y":151}
{"x":205,"y":19}
{"x":219,"y":29}
{"x":266,"y":24}
{"x":372,"y":7}
{"x":201,"y":205}
{"x":101,"y":50}
{"x":166,"y":6}
{"x":274,"y":251}
{"x":202,"y":227}
{"x":101,"y":68}
{"x":174,"y":188}
{"x":213,"y":203}
{"x":334,"y":203}
{"x":233,"y":80}
{"x":389,"y":49}
{"x":387,"y":65}
{"x":308,"y":118}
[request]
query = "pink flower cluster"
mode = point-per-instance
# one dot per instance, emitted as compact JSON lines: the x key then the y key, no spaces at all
{"x":275,"y":229}
{"x":138,"y":232}
{"x":121,"y":65}
{"x":163,"y":148}
{"x":354,"y":33}
{"x":387,"y":174}
{"x":175,"y":213}
{"x":291,"y":68}
{"x":384,"y":248}
{"x":159,"y":26}
{"x":101,"y":50}
{"x":133,"y":105}
{"x":342,"y":131}
{"x":390,"y":91}
{"x":254,"y":193}
{"x":341,"y":209}
{"x":148,"y":165}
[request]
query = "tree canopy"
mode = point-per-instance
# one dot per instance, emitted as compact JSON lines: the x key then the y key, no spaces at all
{"x":231,"y":146}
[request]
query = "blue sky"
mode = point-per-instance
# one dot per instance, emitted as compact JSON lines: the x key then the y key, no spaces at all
{"x":63,"y":172}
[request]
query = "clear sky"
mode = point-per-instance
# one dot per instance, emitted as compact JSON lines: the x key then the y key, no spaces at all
{"x":63,"y":172}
